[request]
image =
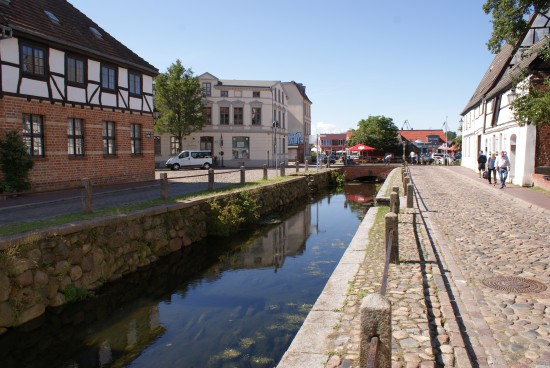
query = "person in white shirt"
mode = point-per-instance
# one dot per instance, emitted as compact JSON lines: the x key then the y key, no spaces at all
{"x":503,"y":167}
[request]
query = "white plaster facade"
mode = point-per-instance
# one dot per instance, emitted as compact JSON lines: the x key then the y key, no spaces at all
{"x":248,"y":123}
{"x":488,"y":121}
{"x":299,"y":121}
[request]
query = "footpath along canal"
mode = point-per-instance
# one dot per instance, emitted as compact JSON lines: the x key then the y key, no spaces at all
{"x":238,"y":304}
{"x":471,"y":289}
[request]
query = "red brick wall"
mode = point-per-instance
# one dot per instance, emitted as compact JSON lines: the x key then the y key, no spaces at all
{"x":56,"y":170}
{"x":542,"y":157}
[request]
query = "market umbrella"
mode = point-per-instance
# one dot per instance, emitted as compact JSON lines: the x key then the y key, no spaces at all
{"x":361,"y":148}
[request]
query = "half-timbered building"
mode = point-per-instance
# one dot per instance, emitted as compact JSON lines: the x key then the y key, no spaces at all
{"x":82,"y":101}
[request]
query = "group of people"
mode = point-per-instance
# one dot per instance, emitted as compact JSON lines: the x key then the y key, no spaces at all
{"x":492,"y":165}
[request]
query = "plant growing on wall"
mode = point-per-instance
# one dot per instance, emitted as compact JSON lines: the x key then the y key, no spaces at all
{"x":231,"y":213}
{"x":16,"y":163}
{"x":179,"y":101}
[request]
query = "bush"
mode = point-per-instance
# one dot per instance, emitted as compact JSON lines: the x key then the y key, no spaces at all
{"x":16,"y":163}
{"x":230,"y":214}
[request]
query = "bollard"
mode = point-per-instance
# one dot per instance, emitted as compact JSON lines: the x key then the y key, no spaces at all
{"x":375,"y":322}
{"x":297,"y":166}
{"x":406,"y":182}
{"x":163,"y":186}
{"x":282,"y":168}
{"x":394,"y":203}
{"x":210,"y":179}
{"x":265,"y":172}
{"x":242,"y":175}
{"x":87,"y":195}
{"x":307,"y":165}
{"x":391,"y":227}
{"x":410,"y":198}
{"x":396,"y":190}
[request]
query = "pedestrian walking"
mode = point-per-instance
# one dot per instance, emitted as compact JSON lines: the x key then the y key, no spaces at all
{"x":503,"y":167}
{"x":481,"y":161}
{"x":413,"y":157}
{"x":387,"y":159}
{"x":491,"y":169}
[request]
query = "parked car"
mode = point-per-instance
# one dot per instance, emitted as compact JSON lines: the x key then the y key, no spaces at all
{"x":439,"y":158}
{"x":325,"y":160}
{"x":426,"y":159}
{"x":191,"y":158}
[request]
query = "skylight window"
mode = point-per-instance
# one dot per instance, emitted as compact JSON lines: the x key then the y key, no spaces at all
{"x":95,"y":32}
{"x":52,"y":17}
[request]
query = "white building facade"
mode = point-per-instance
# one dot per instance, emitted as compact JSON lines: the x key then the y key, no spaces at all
{"x":247,"y":124}
{"x":488,"y":122}
{"x":299,"y":121}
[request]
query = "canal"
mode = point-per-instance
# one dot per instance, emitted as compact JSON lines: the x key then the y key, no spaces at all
{"x":220,"y":303}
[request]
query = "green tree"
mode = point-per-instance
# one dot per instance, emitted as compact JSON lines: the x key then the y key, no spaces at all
{"x":510,"y":20}
{"x":179,"y":101}
{"x":376,"y":131}
{"x":16,"y":163}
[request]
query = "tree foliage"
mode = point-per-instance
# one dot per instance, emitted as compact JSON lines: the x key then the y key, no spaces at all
{"x":16,"y":163}
{"x":179,"y":101}
{"x":376,"y":131}
{"x":510,"y":20}
{"x":532,"y":106}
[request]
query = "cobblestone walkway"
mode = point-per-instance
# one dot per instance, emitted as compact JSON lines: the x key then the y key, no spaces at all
{"x":461,"y":233}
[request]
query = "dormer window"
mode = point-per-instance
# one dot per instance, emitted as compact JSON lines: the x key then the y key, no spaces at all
{"x":96,"y":33}
{"x":52,"y":17}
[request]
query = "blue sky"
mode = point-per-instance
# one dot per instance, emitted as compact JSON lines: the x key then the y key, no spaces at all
{"x":408,"y":60}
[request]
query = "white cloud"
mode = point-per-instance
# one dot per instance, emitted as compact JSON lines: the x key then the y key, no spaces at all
{"x":325,"y":128}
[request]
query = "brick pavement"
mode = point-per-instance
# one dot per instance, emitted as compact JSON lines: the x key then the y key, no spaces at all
{"x":462,"y":232}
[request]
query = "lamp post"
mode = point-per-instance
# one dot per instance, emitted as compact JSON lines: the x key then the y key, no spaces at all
{"x":404,"y":141}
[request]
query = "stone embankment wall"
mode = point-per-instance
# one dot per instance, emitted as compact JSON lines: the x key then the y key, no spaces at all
{"x":52,"y":267}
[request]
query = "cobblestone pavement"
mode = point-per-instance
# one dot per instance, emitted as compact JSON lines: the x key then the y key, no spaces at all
{"x":461,"y":233}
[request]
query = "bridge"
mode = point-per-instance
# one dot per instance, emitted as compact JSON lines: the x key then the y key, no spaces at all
{"x":369,"y":172}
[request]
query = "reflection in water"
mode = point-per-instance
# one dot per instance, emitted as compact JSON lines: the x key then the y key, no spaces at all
{"x":221,"y":303}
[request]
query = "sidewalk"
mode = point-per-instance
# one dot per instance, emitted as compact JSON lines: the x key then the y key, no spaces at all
{"x":472,"y":288}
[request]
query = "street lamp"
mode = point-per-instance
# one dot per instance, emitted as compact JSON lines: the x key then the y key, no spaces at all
{"x":512,"y":96}
{"x":404,"y":141}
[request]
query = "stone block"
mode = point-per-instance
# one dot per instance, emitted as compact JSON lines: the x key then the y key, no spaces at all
{"x":7,"y":315}
{"x":5,"y":287}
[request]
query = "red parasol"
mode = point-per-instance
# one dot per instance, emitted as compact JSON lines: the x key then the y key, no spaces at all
{"x":361,"y":147}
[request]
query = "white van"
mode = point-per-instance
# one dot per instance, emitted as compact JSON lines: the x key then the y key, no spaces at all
{"x":190,"y":158}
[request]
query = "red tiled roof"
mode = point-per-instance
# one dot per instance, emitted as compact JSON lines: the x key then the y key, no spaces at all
{"x":413,"y":135}
{"x":28,"y":20}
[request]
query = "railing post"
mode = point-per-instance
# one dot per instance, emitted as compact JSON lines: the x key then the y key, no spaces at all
{"x":410,"y":196}
{"x":391,"y":228}
{"x":163,"y":186}
{"x":376,"y":322}
{"x":307,"y":165}
{"x":87,"y":195}
{"x":396,"y":190}
{"x":210,"y":179}
{"x":394,"y":202}
{"x":282,"y":168}
{"x":265,"y":172}
{"x":297,"y":166}
{"x":242,"y":175}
